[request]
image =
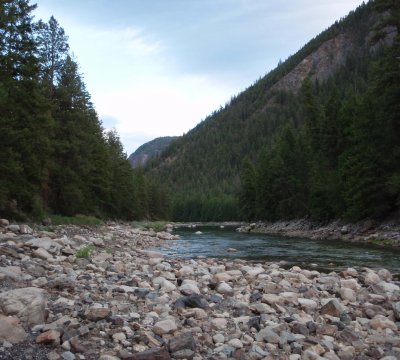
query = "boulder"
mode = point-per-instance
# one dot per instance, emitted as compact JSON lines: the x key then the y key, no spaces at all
{"x":28,"y":304}
{"x":44,"y":243}
{"x":11,"y":330}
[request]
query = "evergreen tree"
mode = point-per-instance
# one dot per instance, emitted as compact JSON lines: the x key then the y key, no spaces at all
{"x":52,"y":51}
{"x":26,"y":126}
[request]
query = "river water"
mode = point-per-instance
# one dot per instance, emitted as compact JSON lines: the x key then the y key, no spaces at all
{"x":322,"y":255}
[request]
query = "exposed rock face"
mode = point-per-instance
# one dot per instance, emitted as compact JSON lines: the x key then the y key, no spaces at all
{"x":331,"y":55}
{"x":150,"y":150}
{"x":126,"y":302}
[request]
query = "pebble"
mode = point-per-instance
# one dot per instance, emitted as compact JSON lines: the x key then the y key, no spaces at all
{"x":127,"y":302}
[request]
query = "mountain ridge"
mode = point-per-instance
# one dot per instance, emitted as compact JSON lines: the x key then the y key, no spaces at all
{"x":149,"y":150}
{"x":204,"y":165}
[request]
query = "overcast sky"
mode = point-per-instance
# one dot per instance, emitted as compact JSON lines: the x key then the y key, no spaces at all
{"x":158,"y":67}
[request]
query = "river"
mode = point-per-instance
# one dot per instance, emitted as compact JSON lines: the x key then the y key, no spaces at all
{"x":321,"y":255}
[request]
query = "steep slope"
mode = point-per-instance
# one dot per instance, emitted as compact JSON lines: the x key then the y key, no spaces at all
{"x":202,"y":168}
{"x":150,"y":150}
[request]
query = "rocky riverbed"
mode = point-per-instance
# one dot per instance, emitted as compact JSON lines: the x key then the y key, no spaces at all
{"x":100,"y":293}
{"x":364,"y":232}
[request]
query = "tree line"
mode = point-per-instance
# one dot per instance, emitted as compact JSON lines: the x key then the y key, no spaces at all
{"x":327,"y":150}
{"x":55,"y":156}
{"x":340,"y":158}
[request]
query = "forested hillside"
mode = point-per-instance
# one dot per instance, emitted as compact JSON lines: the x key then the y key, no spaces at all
{"x":317,"y":136}
{"x":143,"y":154}
{"x":55,"y":157}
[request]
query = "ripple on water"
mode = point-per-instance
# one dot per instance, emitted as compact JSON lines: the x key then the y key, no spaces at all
{"x":334,"y":255}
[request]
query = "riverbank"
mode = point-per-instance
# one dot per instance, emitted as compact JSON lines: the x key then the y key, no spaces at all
{"x":99,"y":293}
{"x":365,"y":232}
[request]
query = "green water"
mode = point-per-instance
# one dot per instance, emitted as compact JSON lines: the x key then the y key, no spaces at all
{"x":334,"y":255}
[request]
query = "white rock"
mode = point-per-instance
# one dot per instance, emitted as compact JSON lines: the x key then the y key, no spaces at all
{"x":42,"y":254}
{"x":186,"y":270}
{"x":223,"y":276}
{"x":218,"y":339}
{"x":165,"y":327}
{"x":224,"y":288}
{"x":272,"y":299}
{"x":189,"y":289}
{"x":118,"y":337}
{"x":168,"y":286}
{"x":219,"y":323}
{"x":371,"y":278}
{"x":253,"y":272}
{"x":348,"y":294}
{"x":262,"y":308}
{"x":350,"y":284}
{"x":308,"y":303}
{"x":29,"y":304}
{"x":45,"y":243}
{"x":236,"y":343}
{"x":382,"y":322}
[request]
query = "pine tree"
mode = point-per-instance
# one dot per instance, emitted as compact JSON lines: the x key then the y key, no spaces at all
{"x":25,"y":139}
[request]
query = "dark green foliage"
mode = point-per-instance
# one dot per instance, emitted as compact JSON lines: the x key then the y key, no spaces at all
{"x":326,"y":149}
{"x":54,"y":154}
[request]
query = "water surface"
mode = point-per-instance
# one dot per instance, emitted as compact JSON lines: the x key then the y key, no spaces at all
{"x":321,"y":254}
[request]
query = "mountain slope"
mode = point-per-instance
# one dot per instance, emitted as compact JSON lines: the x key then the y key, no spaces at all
{"x":202,"y":168}
{"x":150,"y":150}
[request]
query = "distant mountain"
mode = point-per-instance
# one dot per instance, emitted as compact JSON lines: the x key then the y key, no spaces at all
{"x":150,"y":150}
{"x":202,"y":168}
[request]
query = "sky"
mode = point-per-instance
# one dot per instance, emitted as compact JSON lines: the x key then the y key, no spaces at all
{"x":158,"y":67}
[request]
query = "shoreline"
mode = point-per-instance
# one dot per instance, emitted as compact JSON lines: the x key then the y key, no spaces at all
{"x":386,"y":234}
{"x":125,"y":302}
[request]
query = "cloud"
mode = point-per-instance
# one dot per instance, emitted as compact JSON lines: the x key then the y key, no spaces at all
{"x":157,"y":68}
{"x":162,"y":107}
